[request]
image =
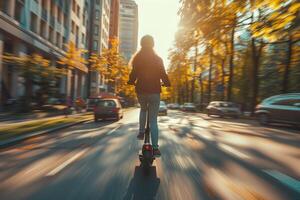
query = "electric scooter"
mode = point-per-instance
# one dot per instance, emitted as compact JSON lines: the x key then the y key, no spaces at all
{"x":146,"y":154}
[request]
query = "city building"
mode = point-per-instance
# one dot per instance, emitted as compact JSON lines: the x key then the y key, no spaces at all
{"x":98,"y":40}
{"x":43,"y":27}
{"x":114,"y":19}
{"x":128,"y":28}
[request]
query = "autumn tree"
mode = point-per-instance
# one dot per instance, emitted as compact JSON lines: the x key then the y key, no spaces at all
{"x":73,"y":60}
{"x":35,"y":70}
{"x":236,"y":40}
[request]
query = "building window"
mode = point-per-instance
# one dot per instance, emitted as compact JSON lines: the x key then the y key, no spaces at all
{"x":59,"y":16}
{"x":96,"y":29}
{"x":52,"y":7}
{"x":78,"y":11}
{"x":43,"y":29}
{"x":77,"y":36}
{"x":58,"y":40}
{"x":65,"y":21}
{"x":51,"y":35}
{"x":18,"y":11}
{"x":97,"y":14}
{"x":44,"y":4}
{"x":82,"y":38}
{"x":83,"y":18}
{"x":33,"y":22}
{"x":74,"y":6}
{"x":73,"y":27}
{"x":95,"y":45}
{"x":4,"y":6}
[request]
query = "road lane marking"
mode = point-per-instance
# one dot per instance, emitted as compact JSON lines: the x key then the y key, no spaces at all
{"x":66,"y":163}
{"x":231,"y":150}
{"x":285,"y":179}
{"x":113,"y":130}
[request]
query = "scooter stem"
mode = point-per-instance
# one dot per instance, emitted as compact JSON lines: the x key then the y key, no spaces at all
{"x":147,"y":131}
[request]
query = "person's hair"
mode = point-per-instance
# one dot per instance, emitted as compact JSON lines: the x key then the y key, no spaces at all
{"x":147,"y":41}
{"x":147,"y":44}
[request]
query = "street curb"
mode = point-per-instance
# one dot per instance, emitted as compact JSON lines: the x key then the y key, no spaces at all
{"x":15,"y":140}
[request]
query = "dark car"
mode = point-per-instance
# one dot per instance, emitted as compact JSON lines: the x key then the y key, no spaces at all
{"x":223,"y":108}
{"x":108,"y":108}
{"x":91,"y":103}
{"x":283,"y":108}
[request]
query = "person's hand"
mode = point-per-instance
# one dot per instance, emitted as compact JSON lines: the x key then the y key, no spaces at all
{"x":165,"y":85}
{"x":131,"y":83}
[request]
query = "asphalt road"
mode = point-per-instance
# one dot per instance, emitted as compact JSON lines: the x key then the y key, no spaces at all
{"x":202,"y":158}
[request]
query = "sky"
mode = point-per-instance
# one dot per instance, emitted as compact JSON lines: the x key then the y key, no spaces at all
{"x":159,"y":19}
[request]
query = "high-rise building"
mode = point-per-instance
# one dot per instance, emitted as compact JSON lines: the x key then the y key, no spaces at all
{"x":114,"y":19}
{"x":128,"y":28}
{"x":43,"y":27}
{"x":98,"y":40}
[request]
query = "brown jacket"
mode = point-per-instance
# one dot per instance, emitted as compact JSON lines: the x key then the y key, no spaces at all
{"x":147,"y":72}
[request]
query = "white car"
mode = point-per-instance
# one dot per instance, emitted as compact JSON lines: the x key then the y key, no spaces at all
{"x":163,"y":108}
{"x":223,"y":108}
{"x":188,"y":107}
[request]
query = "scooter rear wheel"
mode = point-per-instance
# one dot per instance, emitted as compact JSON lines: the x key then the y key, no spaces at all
{"x":146,"y":162}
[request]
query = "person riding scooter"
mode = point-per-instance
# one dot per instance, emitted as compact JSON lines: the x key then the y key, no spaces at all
{"x":147,"y":73}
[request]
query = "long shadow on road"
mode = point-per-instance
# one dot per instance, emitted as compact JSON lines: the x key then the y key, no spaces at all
{"x":142,"y":186}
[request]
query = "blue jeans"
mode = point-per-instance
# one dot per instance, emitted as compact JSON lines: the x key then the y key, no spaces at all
{"x":151,"y":100}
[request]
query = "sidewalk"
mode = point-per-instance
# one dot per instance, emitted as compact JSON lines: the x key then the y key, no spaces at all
{"x":11,"y":117}
{"x":13,"y":130}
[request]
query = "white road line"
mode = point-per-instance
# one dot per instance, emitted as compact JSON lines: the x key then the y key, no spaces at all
{"x":66,"y":163}
{"x":285,"y":179}
{"x":113,"y":130}
{"x":231,"y":150}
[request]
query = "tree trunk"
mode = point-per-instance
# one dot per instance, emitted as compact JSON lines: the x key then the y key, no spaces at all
{"x":186,"y":89}
{"x":285,"y":82}
{"x":256,"y":55}
{"x":223,"y":77}
{"x":26,"y":105}
{"x":201,"y":91}
{"x":194,"y":73}
{"x":231,"y":63}
{"x":209,"y":75}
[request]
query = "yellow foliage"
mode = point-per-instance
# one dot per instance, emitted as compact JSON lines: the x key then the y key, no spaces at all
{"x":31,"y":65}
{"x":112,"y":65}
{"x":74,"y":58}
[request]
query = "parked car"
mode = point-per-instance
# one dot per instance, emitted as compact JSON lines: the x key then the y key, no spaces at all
{"x":223,"y":108}
{"x":108,"y":108}
{"x":188,"y":107}
{"x":170,"y":105}
{"x":176,"y":106}
{"x":284,"y":108}
{"x":91,"y":103}
{"x":181,"y":107}
{"x":173,"y":106}
{"x":163,"y":108}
